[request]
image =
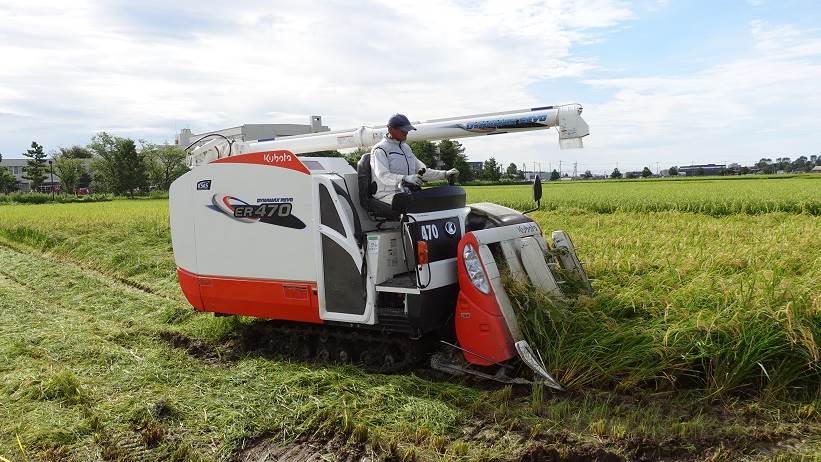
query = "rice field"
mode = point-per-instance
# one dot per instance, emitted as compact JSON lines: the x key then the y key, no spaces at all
{"x":703,"y":338}
{"x":709,"y":196}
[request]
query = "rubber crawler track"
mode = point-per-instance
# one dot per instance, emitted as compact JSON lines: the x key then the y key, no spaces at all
{"x":373,"y":351}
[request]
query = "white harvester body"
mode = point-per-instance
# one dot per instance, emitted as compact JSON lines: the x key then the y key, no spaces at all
{"x":259,"y":231}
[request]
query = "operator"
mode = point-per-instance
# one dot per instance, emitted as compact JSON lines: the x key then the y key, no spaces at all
{"x":395,"y":169}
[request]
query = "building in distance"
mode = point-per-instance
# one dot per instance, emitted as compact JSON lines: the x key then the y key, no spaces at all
{"x":704,"y":169}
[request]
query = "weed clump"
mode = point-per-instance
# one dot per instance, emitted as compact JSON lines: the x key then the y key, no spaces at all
{"x":62,"y":386}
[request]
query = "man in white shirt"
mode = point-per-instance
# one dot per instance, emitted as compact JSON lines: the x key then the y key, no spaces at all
{"x":393,"y":165}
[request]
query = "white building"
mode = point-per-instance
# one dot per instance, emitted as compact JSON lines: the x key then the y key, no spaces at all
{"x":15,"y":166}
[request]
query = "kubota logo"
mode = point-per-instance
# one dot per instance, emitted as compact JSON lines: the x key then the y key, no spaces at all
{"x":273,"y":158}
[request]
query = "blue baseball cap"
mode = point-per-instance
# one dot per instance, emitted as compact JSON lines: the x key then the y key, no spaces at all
{"x":401,"y":122}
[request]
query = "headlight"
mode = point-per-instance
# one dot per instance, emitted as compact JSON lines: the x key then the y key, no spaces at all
{"x":474,"y":269}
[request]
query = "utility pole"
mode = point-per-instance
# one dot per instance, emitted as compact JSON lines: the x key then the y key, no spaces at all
{"x":575,"y":169}
{"x":560,"y":168}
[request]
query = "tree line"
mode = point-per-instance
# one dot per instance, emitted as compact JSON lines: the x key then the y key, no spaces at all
{"x":123,"y":166}
{"x":447,"y":154}
{"x":108,"y":164}
{"x":764,"y":166}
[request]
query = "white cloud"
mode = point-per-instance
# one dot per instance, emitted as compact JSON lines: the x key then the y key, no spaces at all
{"x":764,"y":103}
{"x":142,"y":69}
{"x":146,"y":69}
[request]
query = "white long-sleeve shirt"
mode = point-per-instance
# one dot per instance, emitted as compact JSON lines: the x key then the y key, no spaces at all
{"x":391,"y":160}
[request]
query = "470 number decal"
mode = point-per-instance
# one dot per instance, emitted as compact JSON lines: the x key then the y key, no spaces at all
{"x":429,"y":232}
{"x":262,"y":210}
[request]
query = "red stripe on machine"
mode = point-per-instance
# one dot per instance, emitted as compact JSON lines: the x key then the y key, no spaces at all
{"x":262,"y":298}
{"x":282,"y":159}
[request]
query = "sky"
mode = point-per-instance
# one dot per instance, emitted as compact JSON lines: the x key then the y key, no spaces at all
{"x":662,"y":82}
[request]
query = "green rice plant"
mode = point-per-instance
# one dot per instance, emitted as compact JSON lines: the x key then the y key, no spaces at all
{"x":738,"y":316}
{"x":714,"y":196}
{"x":701,"y":297}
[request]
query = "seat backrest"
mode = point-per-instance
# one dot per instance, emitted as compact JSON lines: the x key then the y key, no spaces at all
{"x":366,"y":186}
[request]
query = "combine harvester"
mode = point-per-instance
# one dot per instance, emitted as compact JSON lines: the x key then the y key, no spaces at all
{"x":258,"y":231}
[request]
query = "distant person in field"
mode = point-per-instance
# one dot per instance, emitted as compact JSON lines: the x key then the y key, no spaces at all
{"x":393,"y":165}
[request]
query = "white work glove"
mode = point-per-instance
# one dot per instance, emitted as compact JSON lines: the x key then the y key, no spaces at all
{"x":413,"y":179}
{"x":452,"y":172}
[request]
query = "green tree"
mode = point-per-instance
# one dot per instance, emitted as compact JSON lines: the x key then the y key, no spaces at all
{"x":672,"y":171}
{"x":75,"y":152}
{"x":117,"y":165}
{"x":646,"y":173}
{"x":587,"y":174}
{"x":449,"y":151}
{"x":765,"y":165}
{"x":166,"y":163}
{"x":353,"y":158}
{"x":104,"y":165}
{"x":424,"y":151}
{"x":616,"y":173}
{"x":800,"y":164}
{"x":554,"y":175}
{"x":7,"y":180}
{"x":744,"y":171}
{"x":69,"y":170}
{"x":35,"y":170}
{"x":491,"y":170}
{"x":133,"y":167}
{"x":465,"y":172}
{"x":512,"y":171}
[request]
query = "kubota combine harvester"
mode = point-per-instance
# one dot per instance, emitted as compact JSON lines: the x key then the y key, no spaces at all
{"x":259,"y":231}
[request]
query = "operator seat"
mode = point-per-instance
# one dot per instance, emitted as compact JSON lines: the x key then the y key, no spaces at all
{"x":367,"y":188}
{"x":426,"y":200}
